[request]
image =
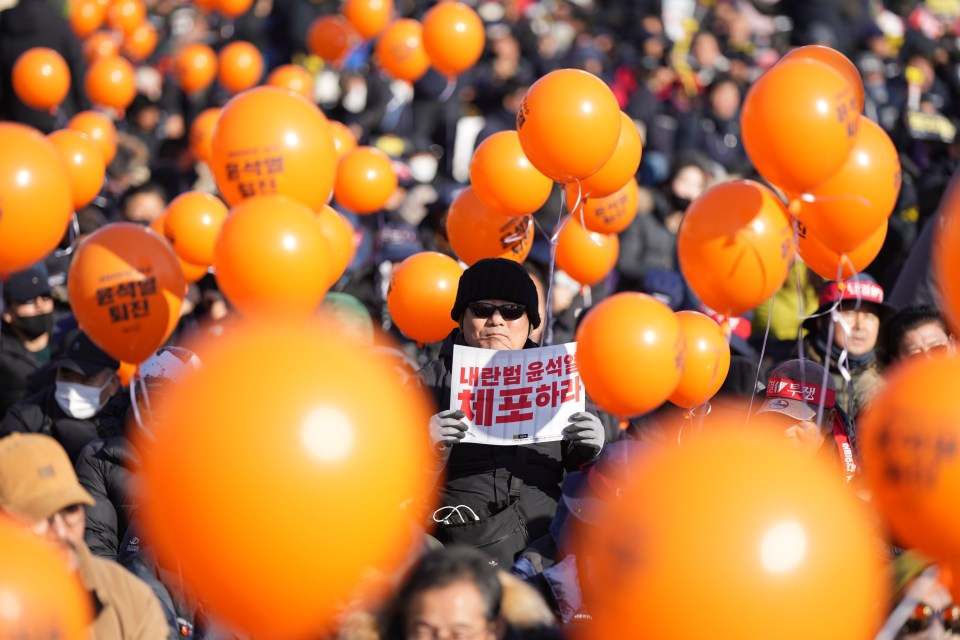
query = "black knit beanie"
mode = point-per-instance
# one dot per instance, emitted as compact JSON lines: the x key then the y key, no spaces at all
{"x":497,"y":279}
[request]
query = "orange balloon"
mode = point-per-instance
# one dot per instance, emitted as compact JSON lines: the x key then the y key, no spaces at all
{"x":240,"y":66}
{"x":400,"y":50}
{"x":98,"y":128}
{"x":41,"y":78}
{"x":421,"y":293}
{"x":908,"y":437}
{"x":126,"y":372}
{"x":503,"y":177}
{"x":706,"y":360}
{"x":630,"y":353}
{"x":799,"y":122}
{"x":201,"y":133}
{"x":846,"y":209}
{"x":140,"y":43}
{"x":233,"y":8}
{"x":195,"y":67}
{"x":569,"y":124}
{"x":784,"y":535}
{"x":343,"y":139}
{"x":825,"y":262}
{"x":453,"y":37}
{"x":835,"y":59}
{"x":946,"y":258}
{"x":271,"y":259}
{"x":292,"y":77}
{"x":101,"y":44}
{"x":735,"y":245}
{"x":42,"y":598}
{"x":110,"y":83}
{"x":86,"y":16}
{"x":84,"y":163}
{"x":365,"y":180}
{"x":610,"y":214}
{"x":126,"y":289}
{"x":368,"y":17}
{"x":338,"y":232}
{"x":193,"y":220}
{"x":253,"y":152}
{"x":330,"y":37}
{"x":476,"y":231}
{"x":126,"y":15}
{"x":193,"y":272}
{"x":586,"y":256}
{"x":313,"y":394}
{"x":35,"y":205}
{"x":622,"y":165}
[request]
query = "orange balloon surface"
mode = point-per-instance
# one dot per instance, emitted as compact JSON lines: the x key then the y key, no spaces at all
{"x":630,"y":353}
{"x":240,"y":66}
{"x":36,"y":202}
{"x":84,"y":163}
{"x":233,"y":8}
{"x":193,"y":272}
{"x":421,"y":293}
{"x":255,"y":153}
{"x":368,"y":17}
{"x":271,"y":259}
{"x":799,"y":122}
{"x":86,"y":16}
{"x":306,"y":425}
{"x":365,"y":180}
{"x":126,"y":288}
{"x":126,"y":372}
{"x":195,"y":67}
{"x":141,"y":42}
{"x":102,"y":44}
{"x":622,"y":165}
{"x":293,"y":78}
{"x":476,"y":231}
{"x":946,"y":256}
{"x":706,"y":360}
{"x":338,"y":232}
{"x":400,"y":50}
{"x":586,"y":256}
{"x":330,"y":37}
{"x":835,"y":59}
{"x":784,"y":536}
{"x":504,"y":179}
{"x":569,"y":124}
{"x":453,"y":37}
{"x":126,"y":15}
{"x":826,"y":262}
{"x":343,"y":139}
{"x":201,"y":133}
{"x":846,"y":210}
{"x":193,"y":220}
{"x":735,"y":245}
{"x":610,"y":214}
{"x":98,"y":128}
{"x":41,"y":78}
{"x":110,"y":83}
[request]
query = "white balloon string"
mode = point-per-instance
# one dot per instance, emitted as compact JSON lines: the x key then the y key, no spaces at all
{"x":448,"y":90}
{"x":73,"y":234}
{"x":547,"y":336}
{"x":763,"y":350}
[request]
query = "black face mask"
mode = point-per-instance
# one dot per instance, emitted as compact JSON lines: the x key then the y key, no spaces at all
{"x":34,"y":326}
{"x":679,"y":204}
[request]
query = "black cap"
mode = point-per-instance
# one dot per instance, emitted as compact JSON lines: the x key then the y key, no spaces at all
{"x":497,"y":279}
{"x":26,"y":285}
{"x":82,"y":356}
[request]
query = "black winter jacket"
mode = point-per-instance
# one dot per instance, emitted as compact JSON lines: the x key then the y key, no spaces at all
{"x":17,"y":368}
{"x":103,"y":468}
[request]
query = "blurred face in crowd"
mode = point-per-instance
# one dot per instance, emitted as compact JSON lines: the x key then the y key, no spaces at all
{"x":725,"y":100}
{"x":453,"y":612}
{"x":927,"y":339}
{"x":864,"y":327}
{"x":32,"y":318}
{"x":64,"y":530}
{"x":144,"y":207}
{"x":106,"y":380}
{"x":495,"y":331}
{"x":803,"y":436}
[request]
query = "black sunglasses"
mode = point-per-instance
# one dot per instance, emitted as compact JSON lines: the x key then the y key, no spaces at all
{"x":924,"y":614}
{"x":509,"y":311}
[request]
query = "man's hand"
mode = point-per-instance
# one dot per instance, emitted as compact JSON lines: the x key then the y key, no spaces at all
{"x":447,"y":428}
{"x":585,"y":430}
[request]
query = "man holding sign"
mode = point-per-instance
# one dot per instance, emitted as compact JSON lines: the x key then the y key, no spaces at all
{"x":511,"y":420}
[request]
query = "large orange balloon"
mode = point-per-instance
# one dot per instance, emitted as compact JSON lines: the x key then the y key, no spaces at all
{"x":201,"y":133}
{"x":98,"y":128}
{"x":630,"y":353}
{"x":846,"y":209}
{"x":193,"y":220}
{"x":422,"y":292}
{"x":343,"y":139}
{"x":35,"y":198}
{"x":946,"y":258}
{"x":86,"y":16}
{"x":569,"y":124}
{"x":338,"y":232}
{"x":706,"y":360}
{"x":233,"y":8}
{"x":835,"y":59}
{"x":41,"y":78}
{"x":42,"y":598}
{"x":140,"y":43}
{"x":253,"y":152}
{"x":622,"y":165}
{"x":310,"y":426}
{"x":365,"y":180}
{"x":799,"y":122}
{"x":101,"y":44}
{"x":735,"y":246}
{"x":610,"y":214}
{"x":368,"y":17}
{"x":785,"y":536}
{"x":400,"y":50}
{"x":195,"y":67}
{"x":825,"y":262}
{"x":292,"y":77}
{"x":240,"y":66}
{"x":126,"y":288}
{"x":453,"y":37}
{"x":126,"y":15}
{"x":110,"y":83}
{"x":271,"y":260}
{"x":84,"y":163}
{"x":908,"y":436}
{"x":476,"y":231}
{"x":503,"y":177}
{"x":330,"y":37}
{"x":586,"y":256}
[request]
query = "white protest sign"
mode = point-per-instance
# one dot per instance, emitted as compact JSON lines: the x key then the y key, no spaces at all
{"x":516,"y":397}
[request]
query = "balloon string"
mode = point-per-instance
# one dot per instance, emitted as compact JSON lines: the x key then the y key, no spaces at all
{"x":687,"y":417}
{"x":448,"y":90}
{"x":73,"y":234}
{"x":547,"y":337}
{"x":59,"y":118}
{"x":763,"y":350}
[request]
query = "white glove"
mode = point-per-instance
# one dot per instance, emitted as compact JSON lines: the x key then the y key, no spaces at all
{"x":585,"y":430}
{"x":447,"y":428}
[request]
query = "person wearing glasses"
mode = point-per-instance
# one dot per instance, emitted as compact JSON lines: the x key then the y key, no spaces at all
{"x":915,"y":331}
{"x":498,"y":498}
{"x":39,"y":489}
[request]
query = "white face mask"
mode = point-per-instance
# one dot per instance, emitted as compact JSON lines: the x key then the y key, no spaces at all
{"x":79,"y":400}
{"x":423,"y":168}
